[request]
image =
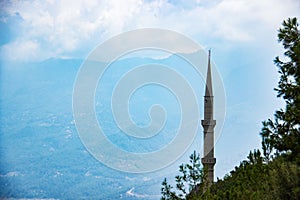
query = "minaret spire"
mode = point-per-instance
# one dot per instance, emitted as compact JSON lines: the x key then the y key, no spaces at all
{"x":208,"y":124}
{"x":208,"y":89}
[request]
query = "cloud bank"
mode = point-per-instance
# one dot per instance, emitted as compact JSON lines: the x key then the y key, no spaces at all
{"x":42,"y":29}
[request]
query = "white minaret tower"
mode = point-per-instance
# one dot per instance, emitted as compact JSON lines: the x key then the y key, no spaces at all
{"x":208,"y":124}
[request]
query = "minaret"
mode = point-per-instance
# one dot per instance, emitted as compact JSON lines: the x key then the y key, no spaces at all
{"x":208,"y":124}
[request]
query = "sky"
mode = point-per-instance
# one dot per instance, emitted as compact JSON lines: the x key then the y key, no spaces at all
{"x":241,"y":33}
{"x":42,"y":29}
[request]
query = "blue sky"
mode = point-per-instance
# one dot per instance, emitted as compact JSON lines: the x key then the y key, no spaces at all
{"x":242,"y":34}
{"x":41,"y":29}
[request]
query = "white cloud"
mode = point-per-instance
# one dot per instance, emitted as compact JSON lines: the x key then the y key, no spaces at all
{"x":73,"y":28}
{"x":21,"y":50}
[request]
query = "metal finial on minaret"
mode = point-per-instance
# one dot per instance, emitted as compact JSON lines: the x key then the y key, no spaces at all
{"x":208,"y":124}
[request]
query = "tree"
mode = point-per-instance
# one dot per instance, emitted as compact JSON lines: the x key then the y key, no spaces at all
{"x":166,"y":191}
{"x":283,"y":133}
{"x":191,"y":177}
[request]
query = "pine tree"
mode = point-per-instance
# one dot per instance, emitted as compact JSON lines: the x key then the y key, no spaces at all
{"x":189,"y":181}
{"x":283,"y":133}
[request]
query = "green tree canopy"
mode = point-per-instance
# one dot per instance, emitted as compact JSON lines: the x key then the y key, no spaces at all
{"x":283,"y":133}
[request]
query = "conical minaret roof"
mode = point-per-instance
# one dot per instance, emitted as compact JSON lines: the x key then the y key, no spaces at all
{"x":208,"y":89}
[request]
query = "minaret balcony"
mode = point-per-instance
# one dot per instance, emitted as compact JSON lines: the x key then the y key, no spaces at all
{"x":206,"y":160}
{"x":206,"y":123}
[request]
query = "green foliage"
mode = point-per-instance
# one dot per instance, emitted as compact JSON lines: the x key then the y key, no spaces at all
{"x":255,"y":179}
{"x":191,"y":176}
{"x":283,"y":133}
{"x":167,"y":192}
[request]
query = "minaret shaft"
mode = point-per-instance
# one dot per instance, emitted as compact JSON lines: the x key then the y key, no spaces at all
{"x":208,"y":124}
